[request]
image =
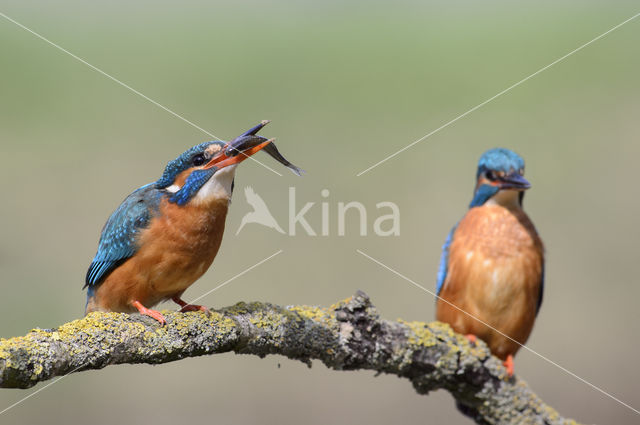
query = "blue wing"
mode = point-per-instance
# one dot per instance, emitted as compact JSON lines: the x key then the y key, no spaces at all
{"x":444,"y":261}
{"x":118,"y":240}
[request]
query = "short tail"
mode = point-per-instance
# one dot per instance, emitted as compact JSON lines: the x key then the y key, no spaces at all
{"x":92,"y":301}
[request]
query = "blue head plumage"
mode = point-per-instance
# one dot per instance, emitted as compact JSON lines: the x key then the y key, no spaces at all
{"x":192,"y":157}
{"x":500,"y":160}
{"x":498,"y":169}
{"x":188,"y":159}
{"x":207,"y":158}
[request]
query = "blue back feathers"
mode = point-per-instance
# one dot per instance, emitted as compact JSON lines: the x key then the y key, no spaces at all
{"x":444,"y":261}
{"x":118,"y":240}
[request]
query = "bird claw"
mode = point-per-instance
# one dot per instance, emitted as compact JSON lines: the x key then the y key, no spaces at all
{"x":508,"y":363}
{"x":185,"y":306}
{"x":194,"y":307}
{"x":472,"y":339}
{"x":151,"y":313}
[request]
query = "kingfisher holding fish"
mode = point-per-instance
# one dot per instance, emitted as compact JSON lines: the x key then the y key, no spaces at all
{"x":166,"y":234}
{"x":491,"y":275}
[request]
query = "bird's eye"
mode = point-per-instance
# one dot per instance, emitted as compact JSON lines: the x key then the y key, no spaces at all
{"x":198,"y":160}
{"x":491,"y":175}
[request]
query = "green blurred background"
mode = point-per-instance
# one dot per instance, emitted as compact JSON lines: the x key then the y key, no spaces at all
{"x":345,"y":85}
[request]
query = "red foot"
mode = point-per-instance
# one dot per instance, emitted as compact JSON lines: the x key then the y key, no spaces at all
{"x":148,"y":312}
{"x":509,"y":365}
{"x":189,"y":307}
{"x":472,"y":338}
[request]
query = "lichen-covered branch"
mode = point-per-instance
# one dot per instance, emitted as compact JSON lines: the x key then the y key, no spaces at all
{"x":349,"y":335}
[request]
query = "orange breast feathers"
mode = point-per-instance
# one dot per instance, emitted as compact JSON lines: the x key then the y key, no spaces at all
{"x":494,"y":273}
{"x":175,"y":250}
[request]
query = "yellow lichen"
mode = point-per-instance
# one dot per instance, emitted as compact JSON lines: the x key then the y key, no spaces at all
{"x":37,"y":371}
{"x":420,"y":334}
{"x":340,"y":304}
{"x":316,"y":314}
{"x":238,"y":309}
{"x":267,"y":319}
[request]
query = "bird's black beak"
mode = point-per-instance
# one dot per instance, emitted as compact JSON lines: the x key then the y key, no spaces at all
{"x":242,"y":144}
{"x":246,"y":140}
{"x":254,"y":130}
{"x":513,"y":181}
{"x":241,"y":148}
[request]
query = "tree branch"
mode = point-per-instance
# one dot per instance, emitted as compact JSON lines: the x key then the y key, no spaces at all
{"x":349,"y":335}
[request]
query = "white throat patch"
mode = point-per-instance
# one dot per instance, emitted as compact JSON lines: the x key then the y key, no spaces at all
{"x":505,"y":198}
{"x":218,"y":186}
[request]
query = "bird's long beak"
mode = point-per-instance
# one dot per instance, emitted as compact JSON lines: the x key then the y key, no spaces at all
{"x":240,"y":148}
{"x":237,"y":151}
{"x":514,"y":181}
{"x":254,"y":130}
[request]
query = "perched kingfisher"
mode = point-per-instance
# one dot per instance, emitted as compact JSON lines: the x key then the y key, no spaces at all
{"x":165,"y":235}
{"x":492,"y":264}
